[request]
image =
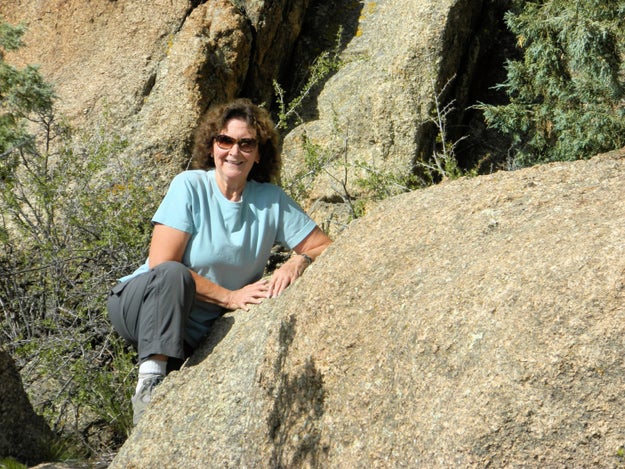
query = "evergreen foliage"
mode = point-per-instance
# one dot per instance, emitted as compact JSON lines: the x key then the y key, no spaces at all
{"x":22,"y":93}
{"x":71,"y":207}
{"x":567,"y":93}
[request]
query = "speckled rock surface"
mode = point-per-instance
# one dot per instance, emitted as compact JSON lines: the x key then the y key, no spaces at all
{"x":478,"y":323}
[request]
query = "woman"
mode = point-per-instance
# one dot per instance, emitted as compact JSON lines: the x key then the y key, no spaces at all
{"x":212,"y":237}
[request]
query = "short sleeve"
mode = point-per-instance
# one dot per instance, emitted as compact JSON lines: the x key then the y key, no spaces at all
{"x":176,"y":208}
{"x":295,"y":223}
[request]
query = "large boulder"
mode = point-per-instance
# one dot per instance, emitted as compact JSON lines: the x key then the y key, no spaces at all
{"x":476,"y":323}
{"x":98,"y":55}
{"x":149,"y":70}
{"x":24,"y":435}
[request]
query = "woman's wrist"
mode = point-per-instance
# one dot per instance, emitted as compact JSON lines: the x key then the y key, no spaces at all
{"x":307,"y":259}
{"x":301,"y":260}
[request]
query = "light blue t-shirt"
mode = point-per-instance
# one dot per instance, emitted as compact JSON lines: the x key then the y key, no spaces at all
{"x":230,"y":241}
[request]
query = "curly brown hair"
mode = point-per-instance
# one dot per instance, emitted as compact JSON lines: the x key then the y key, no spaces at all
{"x":216,"y":119}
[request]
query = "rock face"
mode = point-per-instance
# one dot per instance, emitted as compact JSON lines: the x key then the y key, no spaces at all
{"x":376,"y":109}
{"x":24,"y":435}
{"x":476,"y":323}
{"x":154,"y":67}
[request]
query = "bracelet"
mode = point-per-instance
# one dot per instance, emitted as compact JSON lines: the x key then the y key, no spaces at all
{"x":307,"y":258}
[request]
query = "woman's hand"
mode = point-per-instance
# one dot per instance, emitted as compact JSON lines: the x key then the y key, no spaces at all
{"x":252,"y":294}
{"x":308,"y":250}
{"x":286,"y":275}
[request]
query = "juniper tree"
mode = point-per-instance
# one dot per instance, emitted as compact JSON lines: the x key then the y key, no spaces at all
{"x":23,"y":95}
{"x":567,"y":93}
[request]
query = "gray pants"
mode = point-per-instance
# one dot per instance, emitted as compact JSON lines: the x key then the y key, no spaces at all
{"x":150,"y":310}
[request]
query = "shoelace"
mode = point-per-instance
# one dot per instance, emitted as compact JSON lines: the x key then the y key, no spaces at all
{"x":148,"y":386}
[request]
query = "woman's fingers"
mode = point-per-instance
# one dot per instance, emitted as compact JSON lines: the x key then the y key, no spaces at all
{"x":253,"y":293}
{"x":283,"y":277}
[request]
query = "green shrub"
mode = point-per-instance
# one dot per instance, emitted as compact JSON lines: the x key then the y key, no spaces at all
{"x":567,"y":93}
{"x":72,"y":224}
{"x":22,"y":93}
{"x":74,"y":217}
{"x":10,"y":463}
{"x":326,"y":63}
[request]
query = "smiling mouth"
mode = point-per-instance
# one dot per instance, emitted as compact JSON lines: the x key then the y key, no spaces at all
{"x":235,"y":163}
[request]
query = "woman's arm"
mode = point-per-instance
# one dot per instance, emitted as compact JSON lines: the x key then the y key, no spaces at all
{"x":311,"y":247}
{"x":169,"y":244}
{"x":314,"y":244}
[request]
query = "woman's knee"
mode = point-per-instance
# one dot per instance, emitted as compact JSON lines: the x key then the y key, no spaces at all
{"x":176,"y":273}
{"x":175,"y":270}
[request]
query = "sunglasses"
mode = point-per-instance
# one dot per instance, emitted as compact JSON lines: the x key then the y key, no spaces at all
{"x":246,"y":145}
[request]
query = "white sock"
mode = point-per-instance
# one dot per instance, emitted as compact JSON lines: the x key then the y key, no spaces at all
{"x":151,"y":367}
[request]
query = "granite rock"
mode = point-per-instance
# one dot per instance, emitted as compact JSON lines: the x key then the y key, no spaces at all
{"x":476,"y":323}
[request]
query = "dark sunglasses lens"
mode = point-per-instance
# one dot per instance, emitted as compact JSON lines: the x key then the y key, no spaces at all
{"x":247,"y":144}
{"x":224,"y":141}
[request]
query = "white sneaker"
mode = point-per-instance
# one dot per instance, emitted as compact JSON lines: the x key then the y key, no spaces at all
{"x":143,"y":396}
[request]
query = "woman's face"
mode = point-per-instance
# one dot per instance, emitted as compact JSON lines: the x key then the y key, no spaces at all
{"x":235,"y":150}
